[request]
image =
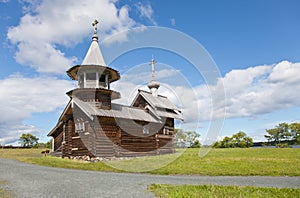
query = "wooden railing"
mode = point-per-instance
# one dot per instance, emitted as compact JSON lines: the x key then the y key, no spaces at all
{"x":168,"y":130}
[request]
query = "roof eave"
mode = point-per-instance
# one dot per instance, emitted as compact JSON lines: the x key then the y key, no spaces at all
{"x":73,"y":71}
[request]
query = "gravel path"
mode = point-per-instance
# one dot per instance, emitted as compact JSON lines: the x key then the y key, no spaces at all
{"x":27,"y":180}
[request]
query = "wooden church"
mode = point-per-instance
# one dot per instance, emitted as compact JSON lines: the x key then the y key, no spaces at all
{"x":92,"y":125}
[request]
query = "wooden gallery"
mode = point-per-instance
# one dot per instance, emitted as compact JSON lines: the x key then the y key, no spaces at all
{"x":91,"y":124}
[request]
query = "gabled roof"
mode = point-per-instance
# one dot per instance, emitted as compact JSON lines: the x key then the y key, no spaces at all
{"x":169,"y":114}
{"x":157,"y":101}
{"x":61,"y":118}
{"x":94,"y":55}
{"x":160,"y":105}
{"x":116,"y":111}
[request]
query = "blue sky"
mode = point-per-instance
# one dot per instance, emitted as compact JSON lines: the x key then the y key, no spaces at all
{"x":254,"y":44}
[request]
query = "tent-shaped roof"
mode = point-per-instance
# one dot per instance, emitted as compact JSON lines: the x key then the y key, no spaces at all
{"x":94,"y":60}
{"x":94,"y":55}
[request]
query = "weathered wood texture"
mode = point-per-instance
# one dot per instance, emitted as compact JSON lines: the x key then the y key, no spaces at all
{"x":102,"y":98}
{"x":105,"y":132}
{"x":58,"y":141}
{"x":140,"y":102}
{"x":107,"y":137}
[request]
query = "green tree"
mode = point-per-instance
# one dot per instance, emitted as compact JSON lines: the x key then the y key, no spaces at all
{"x":43,"y":145}
{"x":281,"y":133}
{"x":239,"y":139}
{"x":28,"y":140}
{"x":48,"y":144}
{"x":284,"y":131}
{"x":273,"y":135}
{"x":192,"y":138}
{"x":186,"y":138}
{"x":196,"y":144}
{"x":179,"y":137}
{"x":295,"y":132}
{"x":227,"y":142}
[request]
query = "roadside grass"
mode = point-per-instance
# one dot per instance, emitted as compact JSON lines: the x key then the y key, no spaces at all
{"x":34,"y":156}
{"x":4,"y":193}
{"x":166,"y":190}
{"x":67,"y":163}
{"x":234,"y":161}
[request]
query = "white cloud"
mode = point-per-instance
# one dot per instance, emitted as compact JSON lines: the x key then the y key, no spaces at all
{"x":249,"y":92}
{"x":4,"y":1}
{"x":48,"y":24}
{"x":9,"y":134}
{"x":285,"y":72}
{"x":262,"y":89}
{"x":20,"y":97}
{"x":44,"y":57}
{"x":146,"y":11}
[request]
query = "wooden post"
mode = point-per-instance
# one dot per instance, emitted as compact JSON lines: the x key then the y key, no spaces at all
{"x":52,"y":149}
{"x":107,"y":81}
{"x":97,"y":79}
{"x":119,"y":140}
{"x":157,"y":143}
{"x":84,"y":79}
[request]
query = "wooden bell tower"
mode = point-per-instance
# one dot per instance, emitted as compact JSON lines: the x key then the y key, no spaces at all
{"x":94,"y":77}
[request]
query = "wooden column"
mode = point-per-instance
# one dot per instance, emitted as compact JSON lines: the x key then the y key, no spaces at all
{"x":84,"y":79}
{"x":107,"y":81}
{"x":157,"y":143}
{"x":97,"y":79}
{"x":63,"y":148}
{"x":119,"y":141}
{"x":52,"y":149}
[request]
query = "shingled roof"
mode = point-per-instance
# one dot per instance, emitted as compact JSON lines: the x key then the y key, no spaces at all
{"x":116,"y":111}
{"x":158,"y":101}
{"x":94,"y":55}
{"x":160,"y":105}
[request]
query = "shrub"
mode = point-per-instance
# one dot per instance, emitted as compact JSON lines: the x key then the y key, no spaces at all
{"x":283,"y":145}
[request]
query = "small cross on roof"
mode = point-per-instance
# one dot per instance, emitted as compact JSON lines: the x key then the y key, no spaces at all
{"x":95,"y":26}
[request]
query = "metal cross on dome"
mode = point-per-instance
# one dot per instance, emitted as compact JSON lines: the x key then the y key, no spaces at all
{"x":153,"y":61}
{"x":95,"y":26}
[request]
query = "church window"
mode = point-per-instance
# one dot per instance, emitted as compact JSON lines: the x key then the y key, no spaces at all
{"x":145,"y":129}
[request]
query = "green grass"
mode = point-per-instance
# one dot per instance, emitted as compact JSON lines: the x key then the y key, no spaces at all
{"x":66,"y":163}
{"x":207,"y":191}
{"x":20,"y":154}
{"x":34,"y":156}
{"x":4,"y":193}
{"x":237,"y":161}
{"x":262,"y":161}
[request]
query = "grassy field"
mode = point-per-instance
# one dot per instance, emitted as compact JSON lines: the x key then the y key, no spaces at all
{"x":5,"y":193}
{"x":260,"y":161}
{"x":165,"y":190}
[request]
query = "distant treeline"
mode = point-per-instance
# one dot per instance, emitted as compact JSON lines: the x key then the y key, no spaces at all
{"x":273,"y":143}
{"x":15,"y":147}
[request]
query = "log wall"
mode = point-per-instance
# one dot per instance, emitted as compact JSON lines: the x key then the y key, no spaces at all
{"x":106,"y":137}
{"x":73,"y":145}
{"x":58,"y":141}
